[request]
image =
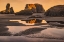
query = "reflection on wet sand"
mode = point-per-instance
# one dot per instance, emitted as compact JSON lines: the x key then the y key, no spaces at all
{"x":44,"y":31}
{"x":50,"y":33}
{"x":34,"y":33}
{"x":30,"y":31}
{"x":37,"y":32}
{"x":17,"y":29}
{"x":4,"y":31}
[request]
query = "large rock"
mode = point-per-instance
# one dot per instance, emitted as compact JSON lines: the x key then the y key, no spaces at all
{"x":56,"y":11}
{"x":36,"y":8}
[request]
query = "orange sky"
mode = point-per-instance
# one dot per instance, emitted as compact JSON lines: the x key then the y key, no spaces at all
{"x":20,"y":4}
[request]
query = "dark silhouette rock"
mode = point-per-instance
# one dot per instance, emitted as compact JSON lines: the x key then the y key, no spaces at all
{"x":8,"y":10}
{"x":26,"y":7}
{"x":56,"y":11}
{"x":2,"y":12}
{"x":24,"y":12}
{"x":39,"y":8}
{"x":11,"y":10}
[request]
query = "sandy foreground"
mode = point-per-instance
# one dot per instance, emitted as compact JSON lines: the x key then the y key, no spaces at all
{"x":26,"y":39}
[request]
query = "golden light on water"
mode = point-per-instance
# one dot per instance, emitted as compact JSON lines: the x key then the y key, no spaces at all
{"x":32,"y":22}
{"x":31,"y":6}
{"x":44,"y":21}
{"x":23,"y":22}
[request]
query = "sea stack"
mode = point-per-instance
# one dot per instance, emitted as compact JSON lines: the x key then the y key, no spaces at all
{"x":8,"y":10}
{"x":11,"y":10}
{"x":36,"y":8}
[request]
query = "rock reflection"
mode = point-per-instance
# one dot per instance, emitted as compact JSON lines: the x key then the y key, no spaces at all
{"x":49,"y":33}
{"x":30,"y":31}
{"x":33,"y":32}
{"x":4,"y":31}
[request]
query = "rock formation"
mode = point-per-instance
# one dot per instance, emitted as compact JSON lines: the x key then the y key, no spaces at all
{"x":11,"y":10}
{"x":8,"y":10}
{"x":56,"y":11}
{"x":35,"y":8}
{"x":30,"y":9}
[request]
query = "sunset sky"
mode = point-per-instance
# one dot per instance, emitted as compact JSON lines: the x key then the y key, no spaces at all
{"x":20,"y":4}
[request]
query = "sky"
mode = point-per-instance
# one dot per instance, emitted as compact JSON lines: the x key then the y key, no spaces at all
{"x":20,"y":4}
